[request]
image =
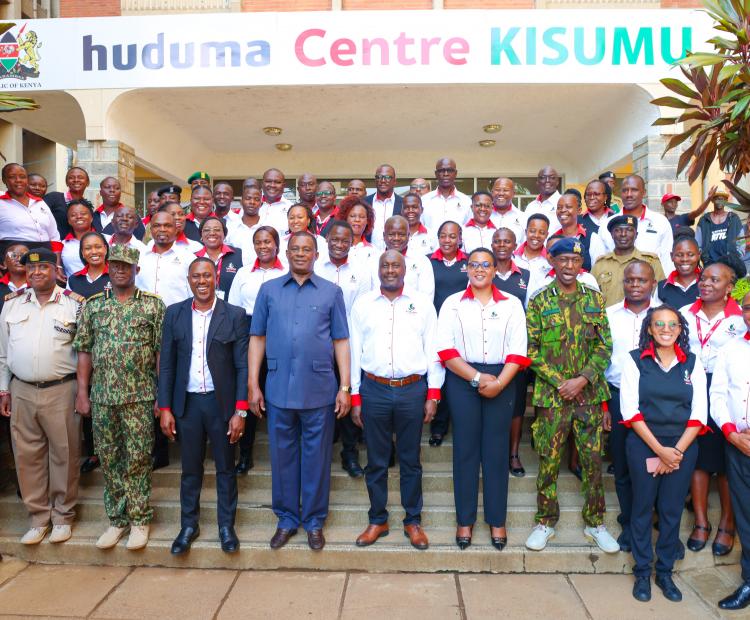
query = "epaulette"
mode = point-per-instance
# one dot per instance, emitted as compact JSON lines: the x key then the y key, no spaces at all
{"x":540,"y":290}
{"x":650,"y":255}
{"x":141,"y":293}
{"x":74,"y":296}
{"x":589,"y":287}
{"x":97,"y":296}
{"x":14,"y":294}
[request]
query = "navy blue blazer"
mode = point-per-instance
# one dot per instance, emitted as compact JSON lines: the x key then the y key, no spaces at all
{"x":226,"y":353}
{"x":300,"y":324}
{"x":397,"y":202}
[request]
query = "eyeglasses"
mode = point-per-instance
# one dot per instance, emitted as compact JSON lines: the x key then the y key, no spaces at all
{"x":13,"y":255}
{"x":476,"y":264}
{"x":668,"y":324}
{"x":445,"y":170}
{"x":417,"y":187}
{"x":319,"y":194}
{"x":547,"y":177}
{"x":383,"y":177}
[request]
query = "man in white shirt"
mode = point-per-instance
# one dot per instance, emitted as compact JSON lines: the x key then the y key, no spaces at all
{"x":625,"y":321}
{"x":163,"y":269}
{"x":445,"y":202}
{"x":124,"y":223}
{"x":393,"y":352}
{"x":385,"y":202}
{"x":419,"y":274}
{"x":504,"y":213}
{"x":421,"y":240}
{"x":478,"y":231}
{"x":654,"y":230}
{"x":547,"y":182}
{"x":274,"y":207}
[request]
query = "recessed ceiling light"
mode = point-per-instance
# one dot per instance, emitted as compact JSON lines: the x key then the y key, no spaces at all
{"x":272,"y":131}
{"x":492,"y":128}
{"x":486,"y":143}
{"x":284,"y":146}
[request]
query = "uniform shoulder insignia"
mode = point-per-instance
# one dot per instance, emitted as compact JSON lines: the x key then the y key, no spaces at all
{"x":94,"y":297}
{"x":539,"y":291}
{"x":588,"y":286}
{"x":650,"y":255}
{"x":74,"y":296}
{"x":15,"y":294}
{"x":147,"y":294}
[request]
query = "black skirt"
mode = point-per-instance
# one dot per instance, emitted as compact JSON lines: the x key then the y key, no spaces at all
{"x":711,"y":446}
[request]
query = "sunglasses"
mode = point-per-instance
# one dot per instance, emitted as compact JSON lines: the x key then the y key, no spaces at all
{"x":476,"y":264}
{"x":383,"y":177}
{"x":669,"y":324}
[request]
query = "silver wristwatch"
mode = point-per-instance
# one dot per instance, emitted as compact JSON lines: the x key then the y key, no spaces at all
{"x":240,"y":412}
{"x":475,"y":381}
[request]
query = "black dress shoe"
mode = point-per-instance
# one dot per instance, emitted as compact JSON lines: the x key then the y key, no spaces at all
{"x":184,"y":539}
{"x":464,"y":542}
{"x":719,"y":549}
{"x":229,"y":541}
{"x":436,"y":439}
{"x":697,"y":545}
{"x":669,"y":589}
{"x":353,"y":468}
{"x":739,"y":599}
{"x":517,"y":472}
{"x":158,"y":463}
{"x":315,"y":540}
{"x":281,"y":537}
{"x":611,"y":469}
{"x":499,"y":542}
{"x":642,"y":589}
{"x":90,"y":464}
{"x":245,"y":464}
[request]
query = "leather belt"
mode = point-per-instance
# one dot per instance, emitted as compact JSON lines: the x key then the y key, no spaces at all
{"x":394,"y":382}
{"x":45,"y":384}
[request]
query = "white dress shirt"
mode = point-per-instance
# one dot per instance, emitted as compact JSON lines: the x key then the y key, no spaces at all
{"x":199,"y":376}
{"x":274,"y":214}
{"x":133,"y":242}
{"x":514,"y":219}
{"x":708,"y":337}
{"x":419,"y":274}
{"x":395,"y":339}
{"x":383,"y":210}
{"x":538,"y":266}
{"x":625,"y":326}
{"x":438,"y":209}
{"x":104,"y":217}
{"x":322,"y":249}
{"x":482,"y":334}
{"x":654,"y":235}
{"x":363,"y":252}
{"x":730,"y":387}
{"x":240,"y":236}
{"x":165,"y":274}
{"x":422,"y":242}
{"x":474,"y":236}
{"x":32,"y":223}
{"x":352,"y":278}
{"x":247,"y":281}
{"x":70,"y":255}
{"x":547,"y":207}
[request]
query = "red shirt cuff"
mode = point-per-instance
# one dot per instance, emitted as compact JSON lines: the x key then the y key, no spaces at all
{"x":56,"y":246}
{"x":448,"y":354}
{"x":433,"y":393}
{"x":165,"y":408}
{"x":638,"y":417}
{"x":242,"y":404}
{"x":605,"y":406}
{"x":521,"y":360}
{"x":704,"y":429}
{"x":728,"y":429}
{"x":356,"y":400}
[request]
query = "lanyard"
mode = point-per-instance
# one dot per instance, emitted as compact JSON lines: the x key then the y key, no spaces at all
{"x":710,"y":333}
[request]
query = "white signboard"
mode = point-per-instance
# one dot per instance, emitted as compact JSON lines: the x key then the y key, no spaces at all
{"x":349,"y":47}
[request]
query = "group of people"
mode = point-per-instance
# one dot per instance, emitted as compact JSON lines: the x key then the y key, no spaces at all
{"x":369,"y":319}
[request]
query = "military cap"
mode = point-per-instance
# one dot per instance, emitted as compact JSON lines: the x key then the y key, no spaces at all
{"x":39,"y":255}
{"x":607,"y":175}
{"x":124,"y":254}
{"x":622,"y":220}
{"x":567,"y":245}
{"x":198,"y":175}
{"x":169,"y":189}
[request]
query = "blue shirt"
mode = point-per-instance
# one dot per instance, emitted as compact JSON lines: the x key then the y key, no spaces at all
{"x":300,"y":324}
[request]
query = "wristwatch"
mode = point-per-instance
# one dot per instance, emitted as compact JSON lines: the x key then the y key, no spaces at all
{"x":240,"y":412}
{"x":345,"y":388}
{"x":475,"y":381}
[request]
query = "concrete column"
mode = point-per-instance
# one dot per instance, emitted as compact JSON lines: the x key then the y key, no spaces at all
{"x":660,"y":173}
{"x":11,"y":142}
{"x":108,"y":158}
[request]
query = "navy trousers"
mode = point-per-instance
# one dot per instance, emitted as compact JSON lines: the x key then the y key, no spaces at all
{"x":738,"y":472}
{"x":387,"y":410}
{"x":666,"y":493}
{"x":301,"y":445}
{"x":201,"y":419}
{"x":481,"y":429}
{"x":623,"y":485}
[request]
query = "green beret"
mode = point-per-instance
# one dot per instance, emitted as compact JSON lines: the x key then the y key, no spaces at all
{"x":198,"y":175}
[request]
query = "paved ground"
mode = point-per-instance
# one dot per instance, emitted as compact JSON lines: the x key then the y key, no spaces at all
{"x":66,"y":591}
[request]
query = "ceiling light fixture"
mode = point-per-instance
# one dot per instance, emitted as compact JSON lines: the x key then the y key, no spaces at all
{"x":272,"y":131}
{"x":486,"y":143}
{"x":284,"y":146}
{"x":492,"y":128}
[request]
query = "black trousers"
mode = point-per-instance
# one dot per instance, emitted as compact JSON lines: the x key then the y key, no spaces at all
{"x":665,"y":493}
{"x":623,"y":485}
{"x":349,"y":433}
{"x":161,"y":443}
{"x":202,"y":420}
{"x":251,"y":422}
{"x":521,"y":383}
{"x":441,"y":422}
{"x":481,"y":433}
{"x":387,"y":410}
{"x":738,"y":472}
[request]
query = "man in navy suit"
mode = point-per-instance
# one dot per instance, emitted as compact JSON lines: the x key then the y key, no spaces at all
{"x":385,"y":202}
{"x":203,"y":393}
{"x":299,"y":321}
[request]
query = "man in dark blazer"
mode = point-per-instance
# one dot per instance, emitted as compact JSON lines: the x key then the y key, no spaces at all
{"x":299,"y":321}
{"x":203,"y":393}
{"x":385,"y":202}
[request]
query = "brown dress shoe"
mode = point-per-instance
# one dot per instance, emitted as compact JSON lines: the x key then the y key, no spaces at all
{"x":416,"y":536}
{"x":281,"y":537}
{"x":315,"y":540}
{"x":371,"y":534}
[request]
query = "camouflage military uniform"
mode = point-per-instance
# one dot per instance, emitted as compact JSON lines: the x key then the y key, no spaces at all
{"x":568,"y":337}
{"x":123,"y":340}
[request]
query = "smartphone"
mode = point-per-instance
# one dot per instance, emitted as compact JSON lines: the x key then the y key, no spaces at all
{"x":652,"y":463}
